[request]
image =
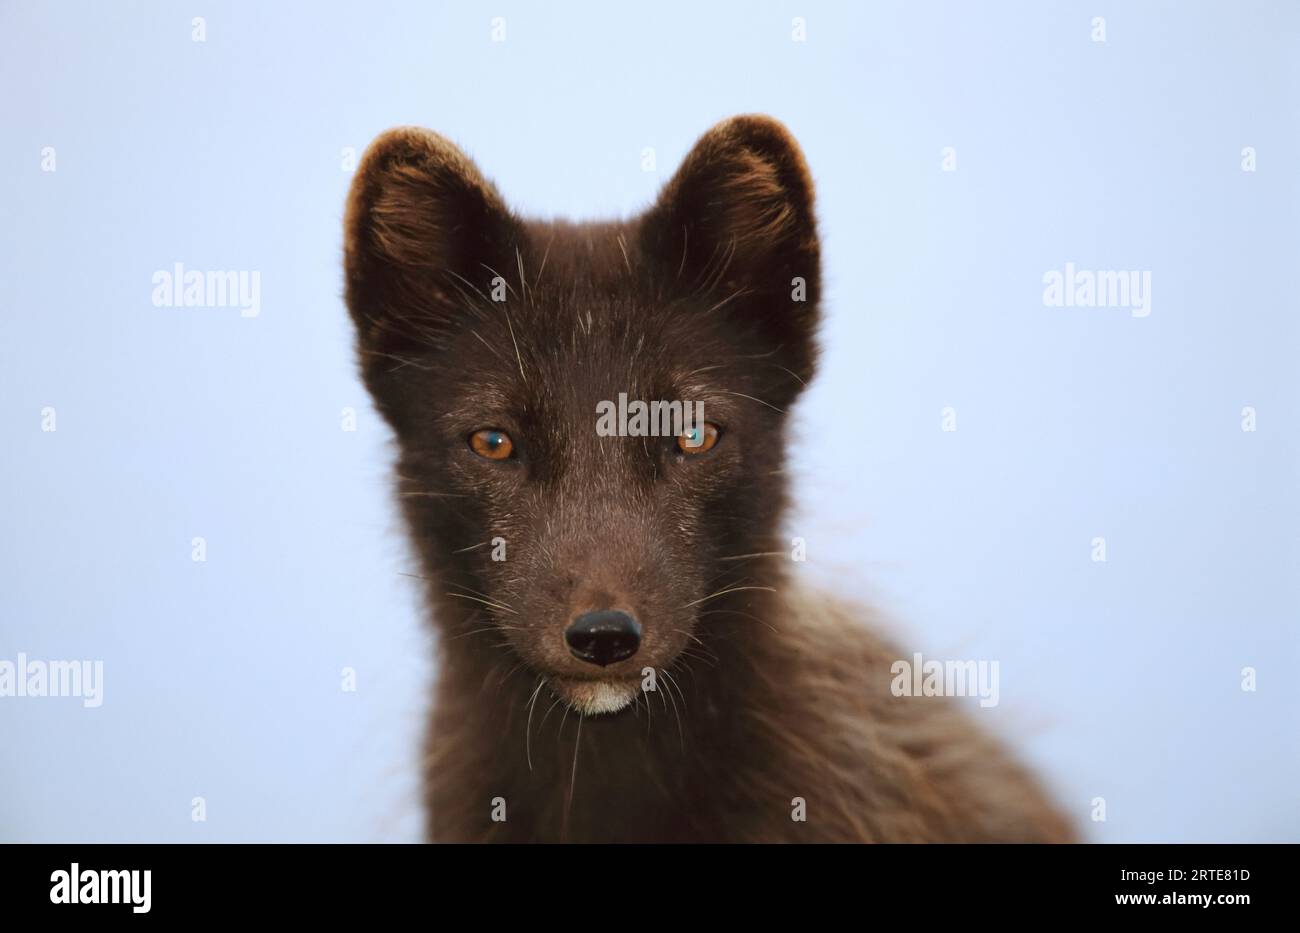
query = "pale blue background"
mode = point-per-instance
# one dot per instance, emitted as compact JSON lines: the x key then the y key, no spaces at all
{"x":1120,"y":680}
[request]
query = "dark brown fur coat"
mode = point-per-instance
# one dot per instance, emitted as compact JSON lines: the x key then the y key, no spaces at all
{"x":770,"y":703}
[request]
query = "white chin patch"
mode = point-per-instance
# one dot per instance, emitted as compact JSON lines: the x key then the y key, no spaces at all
{"x":596,"y":697}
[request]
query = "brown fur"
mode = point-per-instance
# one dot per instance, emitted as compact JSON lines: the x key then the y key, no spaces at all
{"x":765,"y":693}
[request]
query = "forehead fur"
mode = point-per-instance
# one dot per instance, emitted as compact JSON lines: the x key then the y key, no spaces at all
{"x":721,"y":273}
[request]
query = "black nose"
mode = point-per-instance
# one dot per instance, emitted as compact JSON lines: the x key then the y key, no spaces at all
{"x":603,"y":637}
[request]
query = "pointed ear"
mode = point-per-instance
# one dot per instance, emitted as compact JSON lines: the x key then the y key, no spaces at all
{"x":737,"y":219}
{"x":421,"y":224}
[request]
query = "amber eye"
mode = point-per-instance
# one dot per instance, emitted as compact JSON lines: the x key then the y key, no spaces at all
{"x":698,"y":439}
{"x":492,"y":444}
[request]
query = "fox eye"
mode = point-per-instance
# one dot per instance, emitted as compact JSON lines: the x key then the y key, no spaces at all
{"x":491,"y":444}
{"x":698,"y":440}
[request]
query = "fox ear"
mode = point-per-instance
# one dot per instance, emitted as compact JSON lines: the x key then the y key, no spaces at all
{"x":421,"y":228}
{"x":737,"y":219}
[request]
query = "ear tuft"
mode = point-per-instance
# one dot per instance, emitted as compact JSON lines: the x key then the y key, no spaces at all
{"x":419,"y":213}
{"x":743,"y":189}
{"x":738,"y":219}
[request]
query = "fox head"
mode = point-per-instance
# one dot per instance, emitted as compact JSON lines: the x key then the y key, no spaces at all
{"x":492,"y":344}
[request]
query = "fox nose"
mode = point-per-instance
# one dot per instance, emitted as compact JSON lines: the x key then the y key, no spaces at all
{"x":603,"y":637}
